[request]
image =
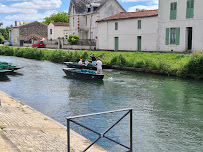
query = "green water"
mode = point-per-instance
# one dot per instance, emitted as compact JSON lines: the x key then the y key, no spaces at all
{"x":167,"y":111}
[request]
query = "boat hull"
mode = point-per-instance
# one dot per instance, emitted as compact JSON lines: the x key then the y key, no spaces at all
{"x":88,"y":76}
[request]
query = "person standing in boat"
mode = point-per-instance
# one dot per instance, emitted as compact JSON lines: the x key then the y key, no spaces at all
{"x":93,"y":58}
{"x":80,"y":62}
{"x":86,"y":62}
{"x":99,"y":66}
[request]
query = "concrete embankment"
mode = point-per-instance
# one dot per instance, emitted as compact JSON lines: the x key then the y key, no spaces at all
{"x":24,"y":129}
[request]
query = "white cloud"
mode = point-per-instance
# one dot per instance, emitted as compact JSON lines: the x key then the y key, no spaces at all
{"x":30,"y":17}
{"x":29,"y":6}
{"x":133,"y":9}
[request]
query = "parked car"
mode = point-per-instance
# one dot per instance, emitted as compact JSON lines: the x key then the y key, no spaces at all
{"x":7,"y":43}
{"x":39,"y":44}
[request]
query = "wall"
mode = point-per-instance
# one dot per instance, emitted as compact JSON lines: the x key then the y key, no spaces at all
{"x":16,"y":40}
{"x":57,"y":31}
{"x":33,"y":28}
{"x":196,"y":23}
{"x":128,"y":32}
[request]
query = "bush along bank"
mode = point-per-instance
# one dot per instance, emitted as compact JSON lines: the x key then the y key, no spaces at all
{"x":183,"y":65}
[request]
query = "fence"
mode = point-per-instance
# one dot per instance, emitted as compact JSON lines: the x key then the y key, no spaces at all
{"x":101,"y":135}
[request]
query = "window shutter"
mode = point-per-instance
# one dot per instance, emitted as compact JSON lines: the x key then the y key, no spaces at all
{"x":190,"y":9}
{"x":167,"y":36}
{"x":177,"y":35}
{"x":173,"y":11}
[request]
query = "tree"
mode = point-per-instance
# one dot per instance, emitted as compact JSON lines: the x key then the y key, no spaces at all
{"x":59,"y":17}
{"x":4,"y":34}
{"x":73,"y":39}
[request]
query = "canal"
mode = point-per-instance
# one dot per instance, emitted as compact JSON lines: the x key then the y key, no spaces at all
{"x":167,"y":115}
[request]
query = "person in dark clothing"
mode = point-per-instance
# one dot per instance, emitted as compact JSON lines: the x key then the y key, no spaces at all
{"x":93,"y":58}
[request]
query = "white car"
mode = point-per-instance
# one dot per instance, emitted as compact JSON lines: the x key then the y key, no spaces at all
{"x":7,"y":43}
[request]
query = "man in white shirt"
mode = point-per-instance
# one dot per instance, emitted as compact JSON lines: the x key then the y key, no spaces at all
{"x":80,"y":62}
{"x":99,"y":66}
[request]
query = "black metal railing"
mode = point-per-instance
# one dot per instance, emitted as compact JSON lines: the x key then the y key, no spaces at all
{"x":101,"y":135}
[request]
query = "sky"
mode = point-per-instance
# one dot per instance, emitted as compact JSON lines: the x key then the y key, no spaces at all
{"x":37,"y":10}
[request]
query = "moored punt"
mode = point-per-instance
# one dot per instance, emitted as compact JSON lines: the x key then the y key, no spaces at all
{"x":83,"y":74}
{"x":4,"y":71}
{"x":8,"y":66}
{"x":89,"y":66}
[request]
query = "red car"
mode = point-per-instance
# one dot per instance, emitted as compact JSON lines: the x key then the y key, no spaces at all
{"x":38,"y":44}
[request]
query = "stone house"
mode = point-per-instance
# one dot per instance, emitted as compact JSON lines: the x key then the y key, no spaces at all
{"x":83,"y":15}
{"x":180,"y":25}
{"x":129,"y":31}
{"x":19,"y":34}
{"x":58,"y":29}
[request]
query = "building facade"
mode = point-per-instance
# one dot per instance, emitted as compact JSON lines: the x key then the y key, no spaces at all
{"x":129,"y":31}
{"x":58,"y":29}
{"x":19,"y":34}
{"x":180,"y":25}
{"x":83,"y":15}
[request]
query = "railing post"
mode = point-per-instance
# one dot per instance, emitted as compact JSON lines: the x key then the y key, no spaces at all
{"x":131,"y":130}
{"x":68,"y":135}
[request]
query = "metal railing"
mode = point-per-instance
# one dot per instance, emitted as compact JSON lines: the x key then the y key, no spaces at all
{"x":102,"y":135}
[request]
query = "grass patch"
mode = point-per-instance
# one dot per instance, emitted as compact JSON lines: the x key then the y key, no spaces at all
{"x":183,"y":65}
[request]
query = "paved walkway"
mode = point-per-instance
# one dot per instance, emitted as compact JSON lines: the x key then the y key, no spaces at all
{"x":23,"y":129}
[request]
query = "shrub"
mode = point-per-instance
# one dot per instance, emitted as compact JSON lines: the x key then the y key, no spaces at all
{"x":194,"y":67}
{"x":73,"y":39}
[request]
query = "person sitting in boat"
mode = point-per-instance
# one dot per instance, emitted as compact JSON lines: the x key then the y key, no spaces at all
{"x":86,"y":62}
{"x":99,"y":66}
{"x":80,"y":62}
{"x":93,"y":58}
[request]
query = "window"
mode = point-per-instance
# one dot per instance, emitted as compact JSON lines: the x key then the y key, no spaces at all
{"x":173,"y":11}
{"x":139,"y":24}
{"x":190,"y":9}
{"x":16,"y":31}
{"x":116,"y":25}
{"x":73,"y":10}
{"x":86,"y":20}
{"x":73,"y":21}
{"x":16,"y":40}
{"x":88,"y":10}
{"x":172,"y":36}
{"x":50,"y":31}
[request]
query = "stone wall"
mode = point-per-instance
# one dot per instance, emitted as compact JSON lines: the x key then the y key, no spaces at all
{"x":33,"y":28}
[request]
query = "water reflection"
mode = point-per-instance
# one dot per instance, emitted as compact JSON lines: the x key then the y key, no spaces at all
{"x":4,"y":78}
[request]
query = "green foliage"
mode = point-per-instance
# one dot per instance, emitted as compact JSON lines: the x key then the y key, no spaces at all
{"x":4,"y":34}
{"x":167,"y":63}
{"x":59,"y":17}
{"x":119,"y":60}
{"x":194,"y":66}
{"x":72,"y":39}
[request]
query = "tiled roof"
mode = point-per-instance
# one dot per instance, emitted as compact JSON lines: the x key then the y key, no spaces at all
{"x":60,"y":24}
{"x":126,"y":15}
{"x":28,"y":24}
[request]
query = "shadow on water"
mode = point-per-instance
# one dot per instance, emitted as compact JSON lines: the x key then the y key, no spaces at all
{"x":14,"y":74}
{"x":4,"y":78}
{"x":91,"y":82}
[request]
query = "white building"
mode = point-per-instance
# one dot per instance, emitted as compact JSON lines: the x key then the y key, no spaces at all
{"x":129,"y":31}
{"x":180,"y":25}
{"x":58,"y":29}
{"x":83,"y":15}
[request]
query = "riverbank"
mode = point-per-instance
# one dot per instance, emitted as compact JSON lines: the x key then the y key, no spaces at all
{"x":24,"y":129}
{"x":182,"y":65}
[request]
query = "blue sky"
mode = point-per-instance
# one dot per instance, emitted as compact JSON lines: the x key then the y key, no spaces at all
{"x":36,"y":10}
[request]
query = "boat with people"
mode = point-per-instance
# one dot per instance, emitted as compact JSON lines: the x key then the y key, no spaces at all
{"x":83,"y":66}
{"x":83,"y":74}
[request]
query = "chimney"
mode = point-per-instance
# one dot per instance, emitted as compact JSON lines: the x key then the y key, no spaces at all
{"x":16,"y":23}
